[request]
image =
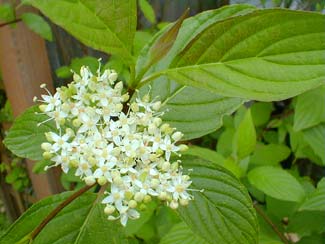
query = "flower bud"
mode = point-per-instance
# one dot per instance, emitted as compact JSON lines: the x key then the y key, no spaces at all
{"x":156,"y":106}
{"x":147,"y":199}
{"x":102,"y":180}
{"x":42,"y":107}
{"x":177,"y":136}
{"x":47,"y":155}
{"x":157,"y":121}
{"x":146,"y":98}
{"x":76,"y":123}
{"x":90,"y":180}
{"x":128,"y":195}
{"x":46,"y":146}
{"x":173,"y":205}
{"x":109,"y":209}
{"x":162,"y":195}
{"x":183,"y":202}
{"x":182,"y":147}
{"x":165,"y":166}
{"x":119,"y":86}
{"x":112,"y":77}
{"x":174,"y":166}
{"x":125,"y":97}
{"x":132,"y":204}
{"x":139,"y":196}
{"x":134,"y":107}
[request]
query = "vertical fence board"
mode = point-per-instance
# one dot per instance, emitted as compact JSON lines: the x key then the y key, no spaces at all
{"x":24,"y":65}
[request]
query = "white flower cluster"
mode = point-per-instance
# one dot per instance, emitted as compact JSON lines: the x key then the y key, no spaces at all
{"x":131,"y":150}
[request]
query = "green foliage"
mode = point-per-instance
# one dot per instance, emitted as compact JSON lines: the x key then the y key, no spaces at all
{"x":108,"y":26}
{"x":26,"y":135}
{"x":6,"y":113}
{"x":245,"y":136}
{"x":202,"y":69}
{"x":222,"y":211}
{"x":315,"y":137}
{"x":72,"y":225}
{"x":193,"y":111}
{"x":261,"y":113}
{"x":7,"y":12}
{"x":37,"y":24}
{"x":181,"y":234}
{"x":276,"y":183}
{"x":315,"y":201}
{"x":147,"y":11}
{"x":309,"y":109}
{"x":226,"y":59}
{"x":270,"y":154}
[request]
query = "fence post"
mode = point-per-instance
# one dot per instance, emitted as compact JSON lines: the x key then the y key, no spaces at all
{"x":24,"y":65}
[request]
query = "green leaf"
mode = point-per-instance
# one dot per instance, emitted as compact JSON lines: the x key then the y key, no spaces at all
{"x":301,"y":147}
{"x":81,"y":222}
{"x":307,"y":223}
{"x":276,"y":183}
{"x":193,"y":111}
{"x":222,"y":212}
{"x":280,"y":209}
{"x":313,"y":239}
{"x":165,"y":219}
{"x":245,"y":136}
{"x":147,"y":11}
{"x":133,"y":226}
{"x":270,"y":154}
{"x":37,"y":24}
{"x":190,"y":28}
{"x":315,"y":137}
{"x":7,"y":12}
{"x":261,"y":113}
{"x":89,"y":61}
{"x":108,"y":26}
{"x":25,"y":137}
{"x":181,"y":234}
{"x":140,"y":40}
{"x":205,"y":154}
{"x":63,"y":72}
{"x":315,"y":201}
{"x":165,"y":42}
{"x":224,"y":144}
{"x":39,"y":166}
{"x":309,"y":109}
{"x":238,"y":57}
{"x":267,"y":234}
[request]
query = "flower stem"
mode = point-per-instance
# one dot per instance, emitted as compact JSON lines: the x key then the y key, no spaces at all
{"x":273,"y":226}
{"x":10,"y":22}
{"x":51,"y":215}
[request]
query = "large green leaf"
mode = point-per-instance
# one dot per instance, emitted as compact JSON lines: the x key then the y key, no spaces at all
{"x":276,"y":183}
{"x":264,"y":55}
{"x":309,"y":109}
{"x":315,"y":202}
{"x":315,"y":137}
{"x":82,"y":221}
{"x":193,"y":111}
{"x":181,"y":234}
{"x":222,"y":212}
{"x":25,"y":136}
{"x":106,"y":25}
